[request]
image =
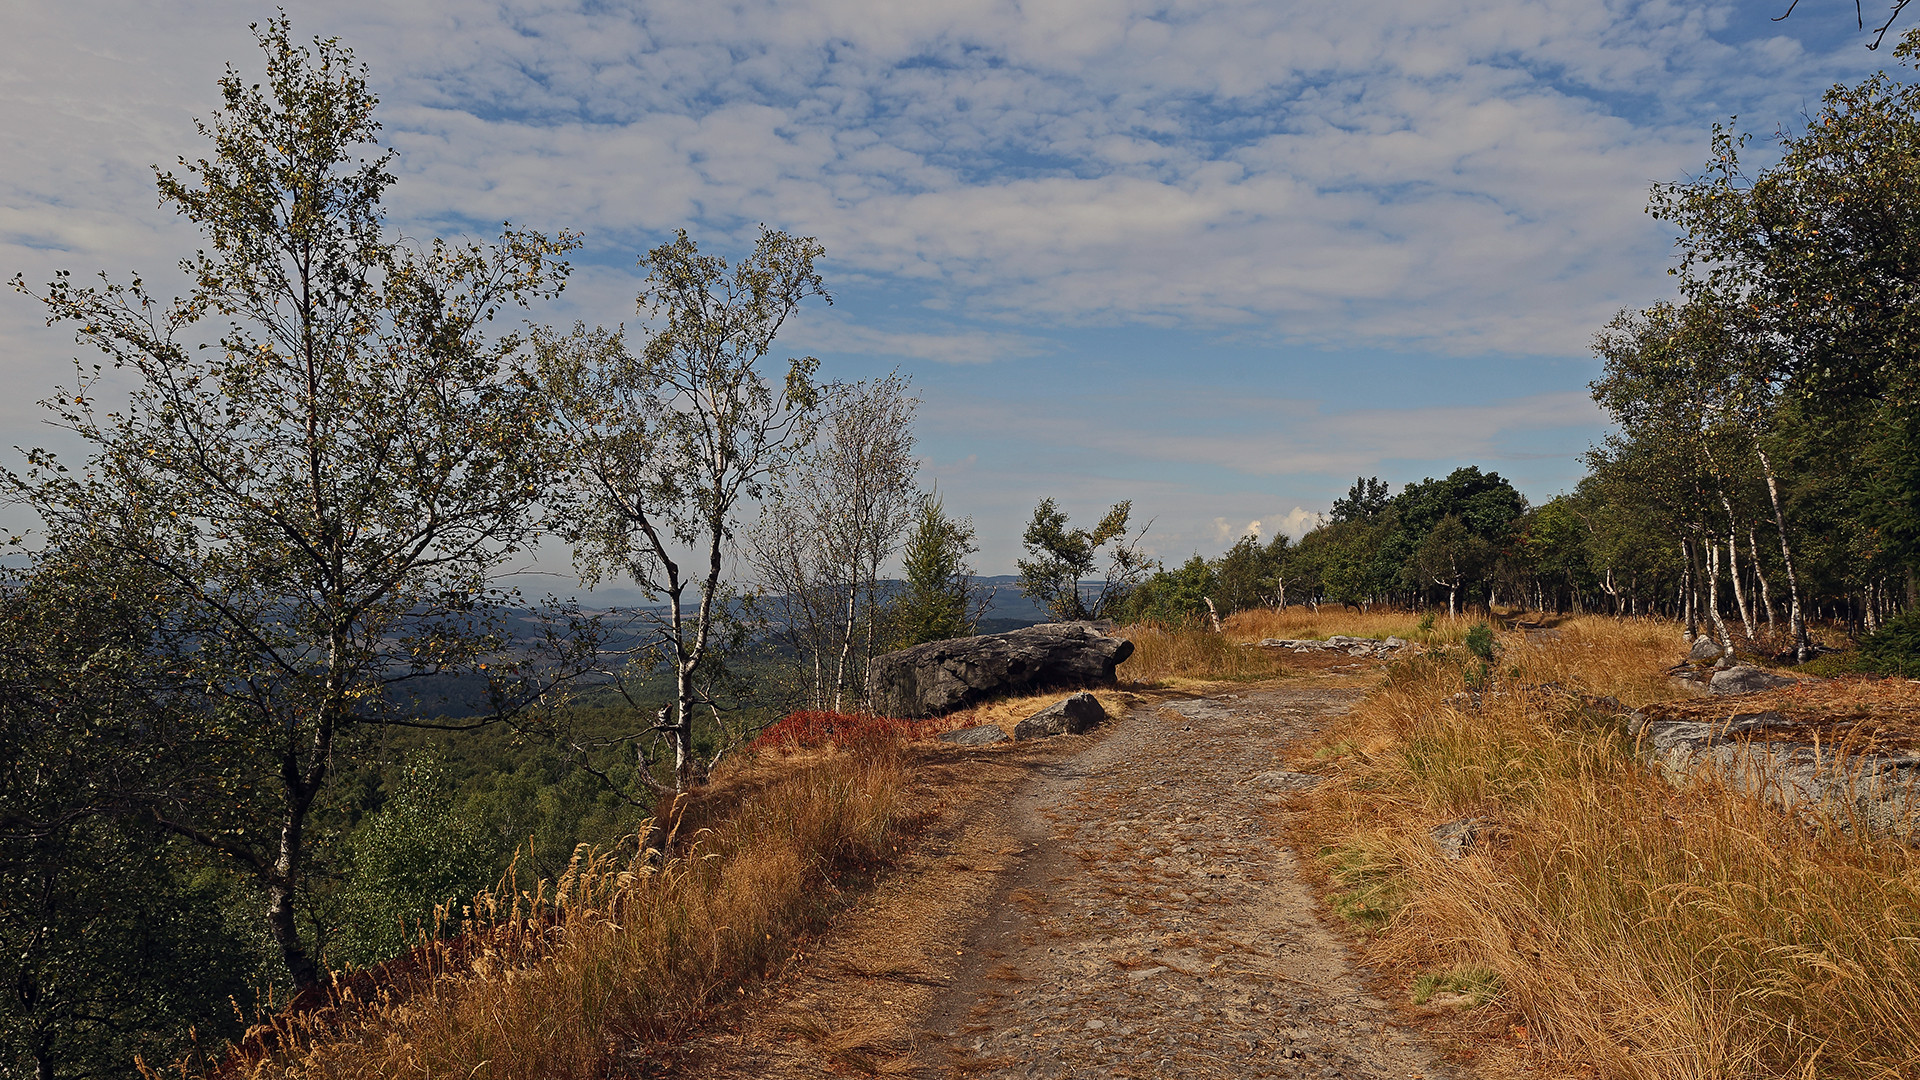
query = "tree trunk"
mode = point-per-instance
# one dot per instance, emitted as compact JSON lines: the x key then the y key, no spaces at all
{"x":1796,"y":620}
{"x":1685,"y":600}
{"x":1713,"y":596}
{"x":281,"y":884}
{"x":682,"y":732}
{"x":846,"y":645}
{"x":1766,"y":594}
{"x":1733,"y":570}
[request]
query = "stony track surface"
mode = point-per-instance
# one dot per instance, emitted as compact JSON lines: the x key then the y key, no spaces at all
{"x":1156,"y":925}
{"x":1120,"y":905}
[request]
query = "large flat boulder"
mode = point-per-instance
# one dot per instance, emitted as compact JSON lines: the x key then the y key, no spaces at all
{"x":942,"y":676}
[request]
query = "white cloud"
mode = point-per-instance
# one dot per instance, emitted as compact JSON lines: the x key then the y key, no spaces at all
{"x":1458,"y":176}
{"x":1457,"y":179}
{"x":947,"y":345}
{"x":1253,"y":436}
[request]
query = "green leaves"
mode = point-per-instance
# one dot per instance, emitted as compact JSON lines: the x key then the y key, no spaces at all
{"x":662,"y":447}
{"x":939,"y":600}
{"x":320,"y":487}
{"x":1064,"y":557}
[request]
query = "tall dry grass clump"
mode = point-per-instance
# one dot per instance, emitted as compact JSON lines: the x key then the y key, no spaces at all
{"x":1170,"y":655}
{"x":1300,"y":621}
{"x":1641,"y":930}
{"x":573,"y":976}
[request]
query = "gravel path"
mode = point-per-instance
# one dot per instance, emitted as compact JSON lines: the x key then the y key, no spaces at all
{"x":1155,"y":925}
{"x":1117,"y":904}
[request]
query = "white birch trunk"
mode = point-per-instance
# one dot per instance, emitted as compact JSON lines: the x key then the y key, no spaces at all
{"x":1713,"y":596}
{"x":1796,"y":618}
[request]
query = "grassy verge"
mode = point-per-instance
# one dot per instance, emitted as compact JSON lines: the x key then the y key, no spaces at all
{"x":1299,"y":621}
{"x":1628,"y":929}
{"x":575,"y":975}
{"x":1167,"y":657}
{"x":1164,"y":656}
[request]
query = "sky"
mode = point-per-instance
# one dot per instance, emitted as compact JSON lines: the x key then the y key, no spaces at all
{"x":1217,"y":257}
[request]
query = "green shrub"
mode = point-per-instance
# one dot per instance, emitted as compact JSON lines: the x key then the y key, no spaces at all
{"x":1895,"y":648}
{"x":412,"y":855}
{"x":1480,"y":642}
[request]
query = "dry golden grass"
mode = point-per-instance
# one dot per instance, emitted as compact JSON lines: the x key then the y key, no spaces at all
{"x":1300,"y":621}
{"x":1638,"y":931}
{"x":1190,"y":657}
{"x":577,"y":974}
{"x":1006,"y":713}
{"x":1175,"y":657}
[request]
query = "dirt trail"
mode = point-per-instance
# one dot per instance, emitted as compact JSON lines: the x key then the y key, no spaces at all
{"x":1118,"y":904}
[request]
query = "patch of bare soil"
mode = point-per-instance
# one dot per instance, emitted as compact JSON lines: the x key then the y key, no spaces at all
{"x":1115,"y":904}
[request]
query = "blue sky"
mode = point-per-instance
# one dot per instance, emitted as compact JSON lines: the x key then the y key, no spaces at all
{"x":1215,"y":257}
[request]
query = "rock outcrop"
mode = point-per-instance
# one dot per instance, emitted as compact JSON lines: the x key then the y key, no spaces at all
{"x":979,"y":735}
{"x":942,"y":676}
{"x":1073,"y":716}
{"x":1761,"y":752}
{"x":1352,"y":646}
{"x":1745,"y":679}
{"x":1704,"y":648}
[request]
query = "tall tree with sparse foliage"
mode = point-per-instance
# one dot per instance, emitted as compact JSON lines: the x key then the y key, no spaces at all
{"x":324,"y":459}
{"x":828,"y":527}
{"x":666,"y":445}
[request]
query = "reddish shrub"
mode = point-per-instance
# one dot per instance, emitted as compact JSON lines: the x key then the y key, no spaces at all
{"x":807,"y":729}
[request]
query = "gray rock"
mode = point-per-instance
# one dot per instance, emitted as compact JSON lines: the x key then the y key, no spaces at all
{"x":1395,"y":643}
{"x":1077,"y":714}
{"x":1875,"y":793}
{"x":1456,"y":838}
{"x":1704,"y":648}
{"x":1688,"y":678}
{"x":1746,"y":679}
{"x":942,"y":676}
{"x":981,"y":735}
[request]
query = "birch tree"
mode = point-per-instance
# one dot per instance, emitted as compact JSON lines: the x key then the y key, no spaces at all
{"x":825,"y":532}
{"x":665,"y":447}
{"x":323,"y":461}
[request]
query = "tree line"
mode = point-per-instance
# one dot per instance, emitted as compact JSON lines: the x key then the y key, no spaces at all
{"x":1764,"y":465}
